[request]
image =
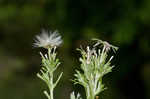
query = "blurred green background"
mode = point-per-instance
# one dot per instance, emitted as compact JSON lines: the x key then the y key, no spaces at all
{"x":124,"y":23}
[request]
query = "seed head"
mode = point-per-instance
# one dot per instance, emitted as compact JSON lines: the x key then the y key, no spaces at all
{"x":47,"y":39}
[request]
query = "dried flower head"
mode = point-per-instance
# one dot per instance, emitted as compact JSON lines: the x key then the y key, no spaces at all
{"x":106,"y":45}
{"x":48,"y":39}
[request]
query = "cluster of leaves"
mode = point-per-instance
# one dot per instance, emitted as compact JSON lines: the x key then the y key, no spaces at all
{"x":49,"y":65}
{"x":94,"y":66}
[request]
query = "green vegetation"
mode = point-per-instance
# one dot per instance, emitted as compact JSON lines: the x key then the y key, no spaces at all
{"x":123,"y":23}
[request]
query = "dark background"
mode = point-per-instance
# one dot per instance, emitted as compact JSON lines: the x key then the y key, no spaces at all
{"x":124,"y":23}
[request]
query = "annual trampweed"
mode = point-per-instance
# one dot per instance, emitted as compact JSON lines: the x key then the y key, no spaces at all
{"x":95,"y":63}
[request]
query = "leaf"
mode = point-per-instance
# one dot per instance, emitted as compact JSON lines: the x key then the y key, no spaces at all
{"x":46,"y":94}
{"x":58,"y":79}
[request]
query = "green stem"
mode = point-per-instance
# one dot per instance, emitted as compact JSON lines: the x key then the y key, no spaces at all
{"x":51,"y":86}
{"x":51,"y":94}
{"x":90,"y":93}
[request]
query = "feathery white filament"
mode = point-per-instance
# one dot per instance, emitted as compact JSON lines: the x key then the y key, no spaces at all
{"x":48,"y":39}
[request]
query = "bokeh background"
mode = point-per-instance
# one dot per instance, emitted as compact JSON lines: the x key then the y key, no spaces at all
{"x":124,"y":23}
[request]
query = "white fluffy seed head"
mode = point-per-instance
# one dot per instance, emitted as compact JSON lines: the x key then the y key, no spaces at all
{"x":48,"y":39}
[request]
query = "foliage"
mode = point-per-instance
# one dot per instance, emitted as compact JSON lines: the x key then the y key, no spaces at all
{"x":72,"y":96}
{"x":94,"y":66}
{"x":50,"y":41}
{"x":125,"y":23}
{"x":50,"y":64}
